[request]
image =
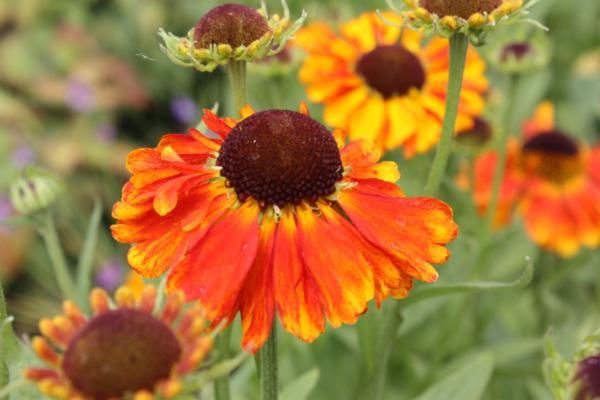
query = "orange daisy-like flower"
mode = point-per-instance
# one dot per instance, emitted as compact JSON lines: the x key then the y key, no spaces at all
{"x":554,"y":180}
{"x":120,"y":353}
{"x":386,"y":86}
{"x":275,"y":215}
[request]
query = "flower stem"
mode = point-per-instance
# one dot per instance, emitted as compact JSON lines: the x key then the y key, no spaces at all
{"x":237,"y":76}
{"x":222,"y":391}
{"x":459,"y":44}
{"x":501,"y":151}
{"x":268,"y":367}
{"x":57,"y":257}
{"x":392,"y":317}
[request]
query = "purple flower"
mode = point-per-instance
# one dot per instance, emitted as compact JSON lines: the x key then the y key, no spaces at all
{"x":79,"y":96}
{"x":184,"y":110}
{"x":106,"y":133}
{"x":109,"y":276}
{"x":22,"y":156}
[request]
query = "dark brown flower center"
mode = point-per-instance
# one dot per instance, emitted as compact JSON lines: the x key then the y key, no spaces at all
{"x":587,"y":379}
{"x":119,"y":352}
{"x":280,"y":157}
{"x":553,"y":156}
{"x":459,"y":8}
{"x":479,"y":133}
{"x":516,"y":50}
{"x":232,"y":24}
{"x":391,"y":70}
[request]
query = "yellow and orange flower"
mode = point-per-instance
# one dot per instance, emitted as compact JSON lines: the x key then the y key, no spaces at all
{"x":386,"y":86}
{"x":120,"y":353}
{"x":554,"y":181}
{"x":273,"y":214}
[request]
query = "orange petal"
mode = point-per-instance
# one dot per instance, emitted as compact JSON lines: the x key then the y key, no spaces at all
{"x":256,"y":302}
{"x":216,"y":124}
{"x":412,"y":231}
{"x":215,"y":270}
{"x":296,"y":294}
{"x":336,"y":264}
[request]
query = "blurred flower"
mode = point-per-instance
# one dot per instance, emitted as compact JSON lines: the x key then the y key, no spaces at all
{"x":184,"y":110}
{"x":6,"y":211}
{"x":474,"y":18}
{"x":477,"y":135}
{"x":124,"y":352}
{"x":384,"y":86}
{"x":34,"y":190}
{"x":587,"y":379}
{"x":520,"y":52}
{"x":106,"y":133}
{"x":229,"y":33}
{"x":22,"y":156}
{"x":109,"y":276}
{"x":214,"y":210}
{"x":79,"y":96}
{"x":554,"y":180}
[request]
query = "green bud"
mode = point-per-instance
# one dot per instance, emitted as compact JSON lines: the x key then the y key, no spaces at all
{"x":34,"y":190}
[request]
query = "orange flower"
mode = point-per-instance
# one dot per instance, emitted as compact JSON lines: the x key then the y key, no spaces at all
{"x":122,"y":352}
{"x":554,"y":181}
{"x":275,"y":215}
{"x":386,"y":86}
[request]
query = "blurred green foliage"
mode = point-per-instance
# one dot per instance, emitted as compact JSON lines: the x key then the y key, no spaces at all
{"x":82,"y":83}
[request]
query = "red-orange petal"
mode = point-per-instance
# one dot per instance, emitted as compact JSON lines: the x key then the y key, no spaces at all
{"x":413,"y":231}
{"x":336,"y":264}
{"x":296,"y":293}
{"x":214,"y":271}
{"x":257,"y":305}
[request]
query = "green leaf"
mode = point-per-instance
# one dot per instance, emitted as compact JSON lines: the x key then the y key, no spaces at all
{"x":301,"y":387}
{"x":457,"y":288}
{"x":467,"y":383}
{"x":14,"y":357}
{"x":86,"y":257}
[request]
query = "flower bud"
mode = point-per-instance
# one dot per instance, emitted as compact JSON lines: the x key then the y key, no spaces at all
{"x":34,"y":190}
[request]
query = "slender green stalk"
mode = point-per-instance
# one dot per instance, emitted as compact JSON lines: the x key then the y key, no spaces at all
{"x":237,"y":76}
{"x":57,"y":257}
{"x":85,"y":265}
{"x":3,"y":317}
{"x":459,"y":44}
{"x":501,"y":151}
{"x":268,"y":367}
{"x":392,"y":317}
{"x":222,"y":391}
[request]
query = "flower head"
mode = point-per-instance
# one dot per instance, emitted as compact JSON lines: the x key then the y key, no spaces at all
{"x":231,"y":32}
{"x":122,"y":352}
{"x":276,"y":215}
{"x":473,"y":18}
{"x":383,"y":86}
{"x":553,"y":179}
{"x":587,"y":379}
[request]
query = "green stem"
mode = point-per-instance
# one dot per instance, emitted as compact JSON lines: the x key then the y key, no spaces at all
{"x":459,"y":44}
{"x":392,"y":317}
{"x":237,"y":76}
{"x":57,"y":257}
{"x":222,"y":391}
{"x":3,"y":317}
{"x":268,"y":367}
{"x":501,"y":151}
{"x":5,"y":391}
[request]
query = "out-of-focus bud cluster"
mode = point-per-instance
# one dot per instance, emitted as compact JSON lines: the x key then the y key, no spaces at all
{"x":231,"y":32}
{"x":520,"y":53}
{"x":575,"y":379}
{"x":34,"y":190}
{"x":476,"y":19}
